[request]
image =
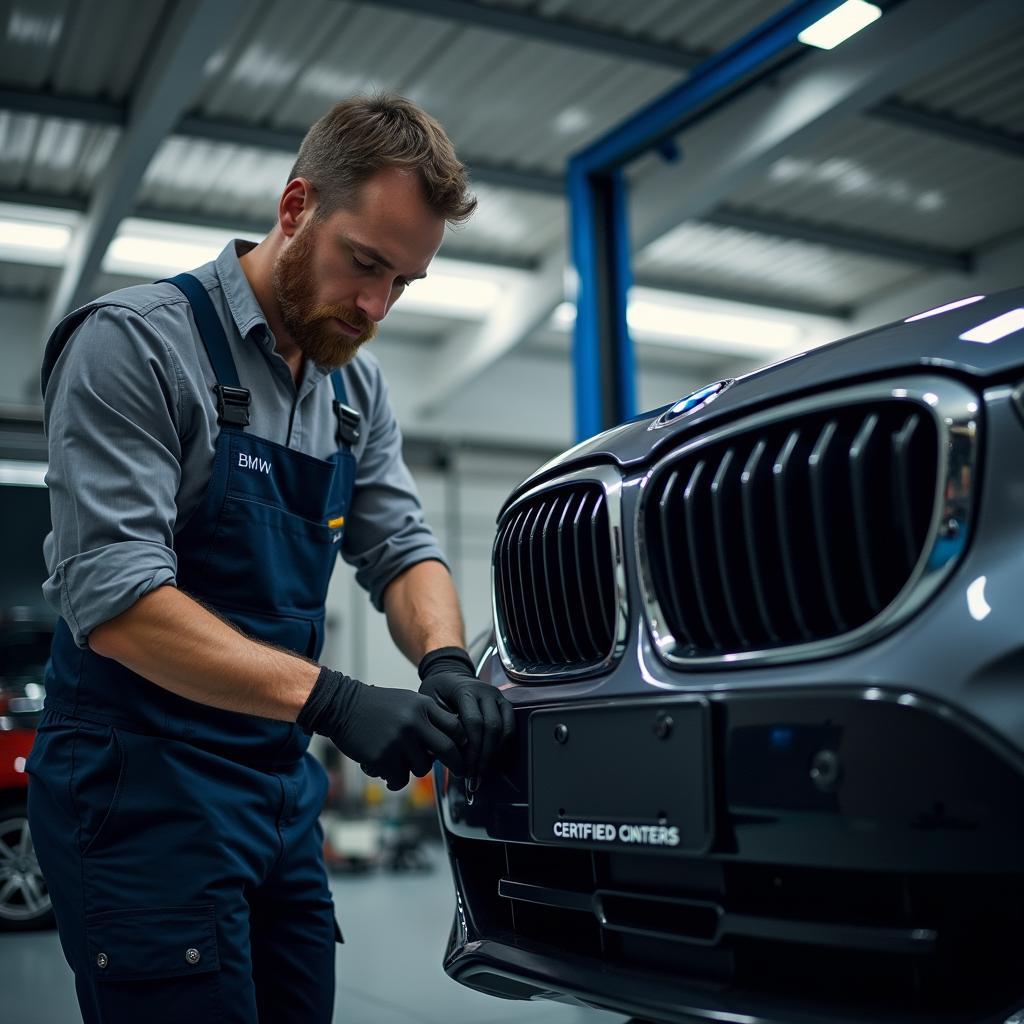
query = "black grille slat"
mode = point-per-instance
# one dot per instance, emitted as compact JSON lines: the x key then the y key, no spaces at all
{"x":859,"y":456}
{"x":720,"y":517}
{"x":535,"y":557}
{"x":555,"y":590}
{"x":901,"y":470}
{"x":783,"y":465}
{"x":604,"y":599}
{"x":577,"y":548}
{"x":557,"y":625}
{"x":693,"y":494}
{"x":502,"y":574}
{"x":818,"y":471}
{"x":683,"y":632}
{"x":789,"y":532}
{"x":579,"y":655}
{"x":755,"y":548}
{"x":525,"y":591}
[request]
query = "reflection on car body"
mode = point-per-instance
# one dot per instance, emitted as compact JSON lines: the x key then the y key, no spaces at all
{"x":769,"y":761}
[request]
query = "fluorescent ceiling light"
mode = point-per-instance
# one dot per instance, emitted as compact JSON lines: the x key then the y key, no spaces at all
{"x":944,"y":309}
{"x":23,"y":474}
{"x":34,"y":236}
{"x":846,"y":20}
{"x":451,"y":293}
{"x":667,"y":321}
{"x":138,"y":254}
{"x":36,"y":242}
{"x":997,"y":329}
{"x":662,"y":320}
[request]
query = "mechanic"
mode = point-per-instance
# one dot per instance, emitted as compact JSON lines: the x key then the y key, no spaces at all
{"x":214,"y":441}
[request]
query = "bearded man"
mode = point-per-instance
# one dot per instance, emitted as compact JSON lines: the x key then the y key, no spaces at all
{"x":215,"y":440}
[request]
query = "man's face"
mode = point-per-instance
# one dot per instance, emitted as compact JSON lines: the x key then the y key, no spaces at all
{"x":337,"y":278}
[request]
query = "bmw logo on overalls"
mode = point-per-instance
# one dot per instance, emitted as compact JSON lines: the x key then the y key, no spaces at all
{"x":692,"y":402}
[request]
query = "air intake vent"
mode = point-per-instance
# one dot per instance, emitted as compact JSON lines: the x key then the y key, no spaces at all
{"x":814,"y":522}
{"x":557,"y":579}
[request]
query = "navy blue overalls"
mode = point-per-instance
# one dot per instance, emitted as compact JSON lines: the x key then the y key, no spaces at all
{"x":181,"y":843}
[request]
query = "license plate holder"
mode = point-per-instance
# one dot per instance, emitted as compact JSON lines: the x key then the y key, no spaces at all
{"x":631,"y":775}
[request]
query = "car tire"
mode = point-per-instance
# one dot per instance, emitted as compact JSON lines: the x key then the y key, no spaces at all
{"x":24,"y":897}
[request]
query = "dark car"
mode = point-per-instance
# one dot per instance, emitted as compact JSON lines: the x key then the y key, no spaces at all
{"x":766,"y":653}
{"x":24,"y":649}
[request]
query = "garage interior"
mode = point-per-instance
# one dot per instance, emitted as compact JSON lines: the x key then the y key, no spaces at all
{"x":808,"y":196}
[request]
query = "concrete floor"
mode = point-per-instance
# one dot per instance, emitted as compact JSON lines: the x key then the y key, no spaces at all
{"x":389,"y":970}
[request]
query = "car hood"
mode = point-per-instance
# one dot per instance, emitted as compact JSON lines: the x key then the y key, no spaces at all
{"x":932,"y":343}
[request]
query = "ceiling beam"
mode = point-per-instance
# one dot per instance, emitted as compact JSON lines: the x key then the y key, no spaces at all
{"x":550,"y":30}
{"x":522,"y":308}
{"x":69,"y":108}
{"x":840,"y":238}
{"x":173,"y":75}
{"x":949,"y":127}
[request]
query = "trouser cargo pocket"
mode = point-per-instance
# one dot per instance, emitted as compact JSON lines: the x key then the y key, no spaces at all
{"x":155,"y":964}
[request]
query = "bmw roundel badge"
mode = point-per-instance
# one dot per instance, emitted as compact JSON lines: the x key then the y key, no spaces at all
{"x":697,"y":400}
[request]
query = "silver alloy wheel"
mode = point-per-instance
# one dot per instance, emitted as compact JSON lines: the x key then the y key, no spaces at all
{"x":23,"y":892}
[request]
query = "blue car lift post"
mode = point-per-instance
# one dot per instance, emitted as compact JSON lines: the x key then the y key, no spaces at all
{"x":602,"y":349}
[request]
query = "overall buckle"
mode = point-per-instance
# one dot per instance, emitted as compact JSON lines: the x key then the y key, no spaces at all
{"x":232,"y":405}
{"x":348,"y":423}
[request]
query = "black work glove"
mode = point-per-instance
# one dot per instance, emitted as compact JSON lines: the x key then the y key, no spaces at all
{"x":389,"y":732}
{"x":449,"y":677}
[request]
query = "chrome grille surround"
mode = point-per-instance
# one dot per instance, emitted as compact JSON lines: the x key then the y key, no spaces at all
{"x":954,"y":412}
{"x":609,"y":480}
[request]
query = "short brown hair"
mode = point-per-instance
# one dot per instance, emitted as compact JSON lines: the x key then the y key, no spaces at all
{"x":365,"y":134}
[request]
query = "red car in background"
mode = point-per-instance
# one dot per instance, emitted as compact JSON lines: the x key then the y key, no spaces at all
{"x":24,"y":649}
{"x":26,"y":627}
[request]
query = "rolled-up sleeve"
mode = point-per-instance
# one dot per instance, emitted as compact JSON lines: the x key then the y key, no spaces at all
{"x":385,"y":531}
{"x":111,"y":413}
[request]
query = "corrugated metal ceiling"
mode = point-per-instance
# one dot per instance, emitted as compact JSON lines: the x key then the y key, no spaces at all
{"x":698,"y":25}
{"x":520,"y":103}
{"x":872,"y":176}
{"x":986,"y":86}
{"x":720,"y":258}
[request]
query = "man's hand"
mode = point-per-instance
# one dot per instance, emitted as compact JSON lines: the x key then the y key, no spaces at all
{"x":448,"y":676}
{"x":389,"y":732}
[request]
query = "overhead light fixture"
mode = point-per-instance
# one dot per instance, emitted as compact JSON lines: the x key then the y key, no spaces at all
{"x":944,"y":309}
{"x":22,"y":474}
{"x":451,"y":293}
{"x":667,"y":321}
{"x":662,"y":320}
{"x":35,"y":242}
{"x":837,"y":26}
{"x":139,"y":254}
{"x":996,"y":329}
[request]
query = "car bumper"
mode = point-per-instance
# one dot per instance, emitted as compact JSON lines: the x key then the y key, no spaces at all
{"x":893,"y":890}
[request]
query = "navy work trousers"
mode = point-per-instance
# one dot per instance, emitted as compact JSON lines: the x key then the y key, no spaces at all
{"x":187,"y":887}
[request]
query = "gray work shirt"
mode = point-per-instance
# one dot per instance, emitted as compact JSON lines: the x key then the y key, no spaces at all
{"x":132,"y":424}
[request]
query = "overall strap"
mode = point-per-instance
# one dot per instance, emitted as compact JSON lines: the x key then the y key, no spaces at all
{"x":348,"y":418}
{"x":232,"y":399}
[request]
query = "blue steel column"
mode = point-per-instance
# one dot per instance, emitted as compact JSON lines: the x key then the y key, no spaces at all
{"x":602,"y":350}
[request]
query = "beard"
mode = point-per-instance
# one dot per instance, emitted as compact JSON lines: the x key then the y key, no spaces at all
{"x":310,"y":324}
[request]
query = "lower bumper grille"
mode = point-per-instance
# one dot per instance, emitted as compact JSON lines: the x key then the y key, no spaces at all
{"x":934,"y":948}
